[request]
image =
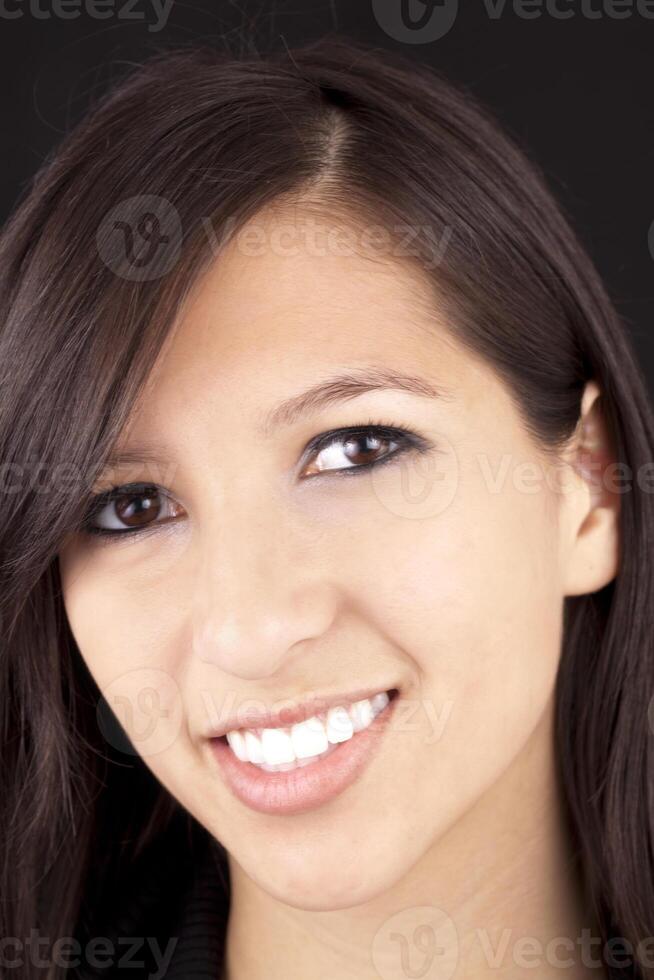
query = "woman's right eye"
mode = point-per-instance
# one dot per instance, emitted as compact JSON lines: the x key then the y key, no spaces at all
{"x":130,"y":508}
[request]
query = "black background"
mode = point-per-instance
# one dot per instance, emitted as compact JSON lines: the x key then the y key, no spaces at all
{"x":577,"y":93}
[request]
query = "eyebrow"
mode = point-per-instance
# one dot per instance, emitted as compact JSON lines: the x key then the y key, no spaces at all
{"x":343,"y":387}
{"x":135,"y":455}
{"x":330,"y":391}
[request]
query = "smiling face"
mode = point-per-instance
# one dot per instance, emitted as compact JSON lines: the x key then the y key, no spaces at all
{"x":274,"y":573}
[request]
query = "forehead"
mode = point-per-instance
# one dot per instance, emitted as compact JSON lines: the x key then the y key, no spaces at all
{"x":294,"y":299}
{"x":293,"y":288}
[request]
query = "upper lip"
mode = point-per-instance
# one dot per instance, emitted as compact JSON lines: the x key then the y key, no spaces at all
{"x":290,"y":711}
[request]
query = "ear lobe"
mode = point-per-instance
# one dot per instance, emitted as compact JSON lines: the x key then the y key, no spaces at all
{"x":593,"y":556}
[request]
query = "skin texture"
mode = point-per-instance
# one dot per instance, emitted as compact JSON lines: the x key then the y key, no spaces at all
{"x":271,"y":586}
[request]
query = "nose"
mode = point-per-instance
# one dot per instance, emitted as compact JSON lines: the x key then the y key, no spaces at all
{"x":260,"y":592}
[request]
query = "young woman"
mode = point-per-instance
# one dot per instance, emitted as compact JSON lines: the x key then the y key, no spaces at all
{"x":326,"y":536}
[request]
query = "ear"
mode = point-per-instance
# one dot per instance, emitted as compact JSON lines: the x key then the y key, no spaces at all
{"x":592,"y":501}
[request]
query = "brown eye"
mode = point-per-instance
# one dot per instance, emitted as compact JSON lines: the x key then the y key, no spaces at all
{"x":354,"y":450}
{"x":124,"y":509}
{"x":134,"y":510}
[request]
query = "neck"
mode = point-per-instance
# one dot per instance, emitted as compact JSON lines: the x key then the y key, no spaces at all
{"x":487,"y":897}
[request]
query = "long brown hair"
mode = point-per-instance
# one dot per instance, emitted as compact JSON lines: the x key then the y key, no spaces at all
{"x":201,"y":141}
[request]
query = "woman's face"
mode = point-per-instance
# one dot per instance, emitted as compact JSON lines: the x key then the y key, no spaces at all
{"x":271,"y":574}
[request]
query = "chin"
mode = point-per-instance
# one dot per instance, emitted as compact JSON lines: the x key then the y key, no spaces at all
{"x":318,"y":880}
{"x":324,"y":889}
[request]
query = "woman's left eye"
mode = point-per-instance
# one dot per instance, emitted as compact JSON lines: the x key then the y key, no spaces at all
{"x":354,"y":448}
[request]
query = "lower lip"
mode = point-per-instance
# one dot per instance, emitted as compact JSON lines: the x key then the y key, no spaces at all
{"x":306,"y":787}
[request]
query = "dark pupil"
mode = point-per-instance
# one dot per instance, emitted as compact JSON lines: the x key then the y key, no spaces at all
{"x":356,"y":442}
{"x":135,"y":509}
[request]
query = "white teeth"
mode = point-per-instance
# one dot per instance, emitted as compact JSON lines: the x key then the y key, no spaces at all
{"x":281,"y":749}
{"x":309,"y":738}
{"x":339,"y":725}
{"x":379,"y":702}
{"x":277,"y":746}
{"x":285,"y":766}
{"x":361,"y":713}
{"x":253,"y":748}
{"x":237,"y":742}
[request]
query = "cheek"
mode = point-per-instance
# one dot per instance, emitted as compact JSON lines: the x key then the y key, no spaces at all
{"x":471,"y":599}
{"x":119,"y":633}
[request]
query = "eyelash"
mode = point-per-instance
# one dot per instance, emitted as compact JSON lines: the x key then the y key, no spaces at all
{"x":407,"y":440}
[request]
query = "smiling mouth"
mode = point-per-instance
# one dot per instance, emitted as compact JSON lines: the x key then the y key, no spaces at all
{"x":290,"y":747}
{"x":294,"y":769}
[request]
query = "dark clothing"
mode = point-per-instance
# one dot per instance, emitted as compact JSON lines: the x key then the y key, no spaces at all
{"x":169,"y":924}
{"x":199,"y":926}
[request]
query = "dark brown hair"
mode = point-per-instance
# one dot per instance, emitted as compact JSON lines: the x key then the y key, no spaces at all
{"x":195,"y":138}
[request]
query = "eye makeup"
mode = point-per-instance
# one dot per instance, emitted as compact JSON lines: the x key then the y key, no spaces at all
{"x":401,"y":439}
